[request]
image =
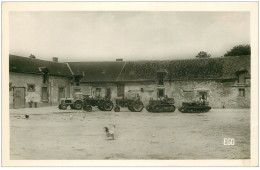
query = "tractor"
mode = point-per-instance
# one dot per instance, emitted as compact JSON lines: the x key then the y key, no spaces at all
{"x":194,"y":107}
{"x":75,"y":103}
{"x":161,"y":105}
{"x":134,"y":104}
{"x":103,"y":104}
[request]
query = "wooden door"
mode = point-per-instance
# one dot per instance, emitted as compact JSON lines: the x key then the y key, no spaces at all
{"x":19,"y":97}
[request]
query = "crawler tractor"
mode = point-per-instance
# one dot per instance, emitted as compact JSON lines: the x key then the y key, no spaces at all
{"x":162,"y":105}
{"x":194,"y":107}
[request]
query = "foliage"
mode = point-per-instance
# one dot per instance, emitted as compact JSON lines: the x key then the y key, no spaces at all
{"x":239,"y":50}
{"x":203,"y":54}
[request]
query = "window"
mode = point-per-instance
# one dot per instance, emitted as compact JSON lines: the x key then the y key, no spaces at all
{"x":160,"y":78}
{"x":241,"y":78}
{"x":241,"y":92}
{"x":160,"y":92}
{"x":77,"y":89}
{"x":203,"y":96}
{"x":30,"y":87}
{"x":98,"y":92}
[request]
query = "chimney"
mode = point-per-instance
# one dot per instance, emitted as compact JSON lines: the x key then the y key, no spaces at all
{"x":119,"y":59}
{"x":55,"y":59}
{"x":32,"y":56}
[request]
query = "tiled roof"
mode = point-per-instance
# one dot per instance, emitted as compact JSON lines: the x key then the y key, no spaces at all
{"x":97,"y":71}
{"x":31,"y":66}
{"x":213,"y":68}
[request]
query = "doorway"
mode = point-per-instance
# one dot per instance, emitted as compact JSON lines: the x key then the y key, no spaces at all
{"x":19,"y":97}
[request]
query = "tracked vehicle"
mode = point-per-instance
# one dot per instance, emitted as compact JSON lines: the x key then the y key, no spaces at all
{"x":194,"y":107}
{"x":162,"y":105}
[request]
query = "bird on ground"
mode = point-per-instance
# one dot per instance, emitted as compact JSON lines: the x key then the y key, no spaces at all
{"x":110,"y":131}
{"x":26,"y":116}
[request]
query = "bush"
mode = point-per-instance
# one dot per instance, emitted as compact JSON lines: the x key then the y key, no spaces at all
{"x":203,"y":54}
{"x":239,"y":50}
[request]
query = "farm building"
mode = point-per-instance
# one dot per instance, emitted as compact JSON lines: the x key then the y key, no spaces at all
{"x":223,"y":82}
{"x":31,"y":79}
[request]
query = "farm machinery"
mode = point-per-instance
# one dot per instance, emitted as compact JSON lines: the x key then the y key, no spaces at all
{"x":86,"y":102}
{"x":76,"y":102}
{"x":134,"y":105}
{"x":194,"y":107}
{"x":103,"y":104}
{"x":161,"y":105}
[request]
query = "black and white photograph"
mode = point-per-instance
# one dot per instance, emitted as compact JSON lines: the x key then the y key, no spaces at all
{"x":121,"y":83}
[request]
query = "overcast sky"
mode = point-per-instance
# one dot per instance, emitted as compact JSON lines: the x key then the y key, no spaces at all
{"x":105,"y":36}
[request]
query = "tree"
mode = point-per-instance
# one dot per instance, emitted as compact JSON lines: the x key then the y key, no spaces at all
{"x":239,"y":50}
{"x":203,"y":54}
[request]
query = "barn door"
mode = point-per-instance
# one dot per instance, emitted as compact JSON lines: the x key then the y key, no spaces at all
{"x":19,"y":97}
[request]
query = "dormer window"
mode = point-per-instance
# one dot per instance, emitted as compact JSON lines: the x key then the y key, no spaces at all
{"x":161,"y":73}
{"x":242,"y":78}
{"x":241,"y":75}
{"x":160,"y":79}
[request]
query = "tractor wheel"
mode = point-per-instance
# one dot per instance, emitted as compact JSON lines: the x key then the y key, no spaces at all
{"x":87,"y":108}
{"x":148,"y":108}
{"x":137,"y":106}
{"x":130,"y":108}
{"x":101,"y":108}
{"x":72,"y":106}
{"x":59,"y":106}
{"x":63,"y":106}
{"x":78,"y":105}
{"x":107,"y":105}
{"x":117,"y":109}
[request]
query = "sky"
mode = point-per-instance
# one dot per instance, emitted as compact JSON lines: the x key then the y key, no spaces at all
{"x":106,"y":36}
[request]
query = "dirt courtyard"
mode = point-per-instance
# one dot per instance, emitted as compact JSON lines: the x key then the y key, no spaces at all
{"x":50,"y":133}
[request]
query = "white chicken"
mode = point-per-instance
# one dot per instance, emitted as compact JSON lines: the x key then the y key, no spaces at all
{"x":110,"y":131}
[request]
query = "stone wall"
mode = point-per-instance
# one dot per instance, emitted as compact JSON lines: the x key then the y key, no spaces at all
{"x":22,"y":80}
{"x":219,"y":94}
{"x":90,"y":89}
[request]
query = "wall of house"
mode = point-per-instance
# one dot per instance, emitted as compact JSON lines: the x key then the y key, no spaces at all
{"x":90,"y":89}
{"x":219,"y":94}
{"x":22,"y":80}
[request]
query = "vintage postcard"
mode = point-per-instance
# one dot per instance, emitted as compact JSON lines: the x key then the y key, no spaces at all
{"x":130,"y":84}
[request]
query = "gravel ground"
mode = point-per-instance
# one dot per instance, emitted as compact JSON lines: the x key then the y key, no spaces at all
{"x":51,"y":133}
